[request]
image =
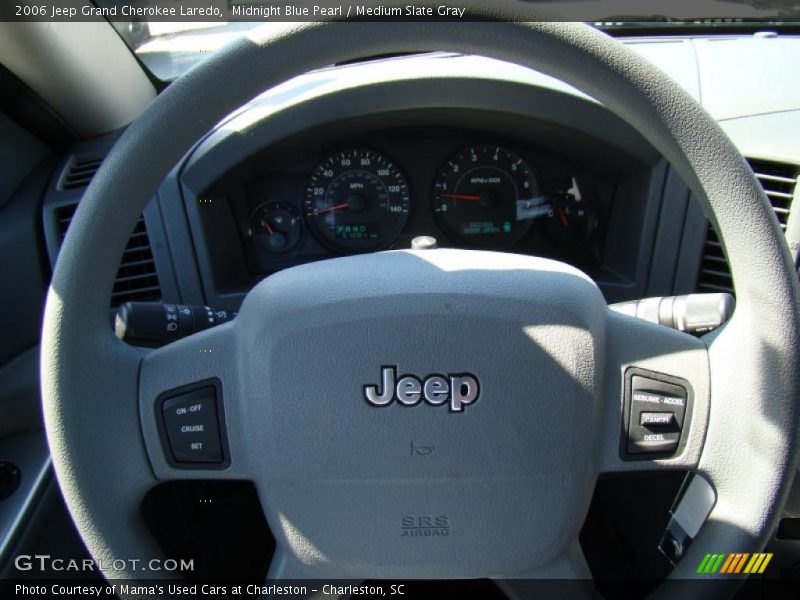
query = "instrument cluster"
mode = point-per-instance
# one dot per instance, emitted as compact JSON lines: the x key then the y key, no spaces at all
{"x":361,"y":199}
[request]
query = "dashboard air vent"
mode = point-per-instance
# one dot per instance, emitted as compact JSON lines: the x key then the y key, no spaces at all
{"x":780,"y":182}
{"x":79,"y":172}
{"x":715,"y":276}
{"x":137,"y":279}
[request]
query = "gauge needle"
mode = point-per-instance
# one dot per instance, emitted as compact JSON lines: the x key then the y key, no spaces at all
{"x":319,"y":211}
{"x":470,"y":197}
{"x":269,"y":229}
{"x":563,"y":217}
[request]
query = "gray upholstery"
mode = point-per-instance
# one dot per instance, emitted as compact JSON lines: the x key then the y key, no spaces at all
{"x":90,"y":379}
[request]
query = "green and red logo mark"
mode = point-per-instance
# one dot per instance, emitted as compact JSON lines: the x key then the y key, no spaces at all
{"x":734,"y":563}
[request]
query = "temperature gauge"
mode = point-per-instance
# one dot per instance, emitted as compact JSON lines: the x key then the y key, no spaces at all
{"x":571,"y":220}
{"x":276,"y":227}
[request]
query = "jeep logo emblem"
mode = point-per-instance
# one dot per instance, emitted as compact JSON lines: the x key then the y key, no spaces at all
{"x":456,"y":390}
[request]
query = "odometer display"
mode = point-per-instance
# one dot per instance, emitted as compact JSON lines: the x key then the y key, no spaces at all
{"x":487,"y":196}
{"x":356,"y":200}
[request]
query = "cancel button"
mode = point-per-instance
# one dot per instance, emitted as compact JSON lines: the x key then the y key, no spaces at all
{"x":657,"y":419}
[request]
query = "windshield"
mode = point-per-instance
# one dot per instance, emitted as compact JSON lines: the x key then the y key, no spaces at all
{"x":170,"y":48}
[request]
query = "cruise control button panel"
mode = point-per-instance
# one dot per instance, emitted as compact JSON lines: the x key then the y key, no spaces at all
{"x":192,"y":428}
{"x":656,"y":413}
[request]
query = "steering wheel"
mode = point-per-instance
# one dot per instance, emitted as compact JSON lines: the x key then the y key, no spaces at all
{"x":529,"y":362}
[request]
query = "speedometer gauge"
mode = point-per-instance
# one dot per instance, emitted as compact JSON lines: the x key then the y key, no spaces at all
{"x":487,"y":196}
{"x":356,"y":200}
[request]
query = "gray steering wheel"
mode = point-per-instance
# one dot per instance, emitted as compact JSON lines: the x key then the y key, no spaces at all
{"x":536,"y":359}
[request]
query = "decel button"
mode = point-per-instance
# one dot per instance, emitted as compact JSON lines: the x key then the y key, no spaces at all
{"x":192,"y":428}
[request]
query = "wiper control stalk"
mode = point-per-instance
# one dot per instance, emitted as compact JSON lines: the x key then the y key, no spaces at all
{"x":155,"y":324}
{"x":693,"y":313}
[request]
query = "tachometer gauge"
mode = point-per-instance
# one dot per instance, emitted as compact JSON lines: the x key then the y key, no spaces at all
{"x":276,"y":227}
{"x":487,"y":196}
{"x":356,"y":200}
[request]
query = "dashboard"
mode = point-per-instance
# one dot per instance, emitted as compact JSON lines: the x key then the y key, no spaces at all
{"x":472,"y":152}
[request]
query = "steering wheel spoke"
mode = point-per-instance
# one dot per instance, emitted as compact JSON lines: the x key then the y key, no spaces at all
{"x":288,"y":570}
{"x":191,"y":410}
{"x":656,"y":397}
{"x":286,"y":566}
{"x":569,"y":570}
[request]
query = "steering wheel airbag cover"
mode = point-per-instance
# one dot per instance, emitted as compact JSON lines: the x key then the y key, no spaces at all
{"x":491,"y":487}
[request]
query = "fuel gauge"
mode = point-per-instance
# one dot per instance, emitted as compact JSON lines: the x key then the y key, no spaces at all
{"x":276,"y":227}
